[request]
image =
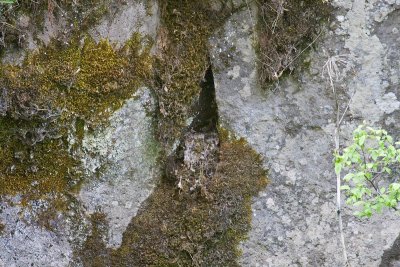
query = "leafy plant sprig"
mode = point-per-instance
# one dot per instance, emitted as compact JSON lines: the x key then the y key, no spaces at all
{"x":7,"y":1}
{"x":370,"y":162}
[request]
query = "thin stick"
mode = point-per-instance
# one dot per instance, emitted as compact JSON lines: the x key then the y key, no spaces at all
{"x":333,"y":72}
{"x":347,"y":107}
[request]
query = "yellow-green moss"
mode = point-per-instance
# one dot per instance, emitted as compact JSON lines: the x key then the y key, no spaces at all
{"x":174,"y":229}
{"x":57,"y":89}
{"x":36,"y":172}
{"x":183,"y":39}
{"x":85,"y":79}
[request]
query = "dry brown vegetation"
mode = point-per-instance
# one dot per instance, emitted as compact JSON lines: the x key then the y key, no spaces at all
{"x":286,"y":28}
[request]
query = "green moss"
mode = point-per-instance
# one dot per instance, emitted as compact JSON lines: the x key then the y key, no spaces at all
{"x":286,"y":29}
{"x":175,"y":229}
{"x":85,"y":79}
{"x":80,"y":84}
{"x":94,"y":252}
{"x":36,"y":172}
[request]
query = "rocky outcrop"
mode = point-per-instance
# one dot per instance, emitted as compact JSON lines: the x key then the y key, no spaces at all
{"x":294,"y":219}
{"x":124,"y":165}
{"x":163,"y":174}
{"x":117,"y":160}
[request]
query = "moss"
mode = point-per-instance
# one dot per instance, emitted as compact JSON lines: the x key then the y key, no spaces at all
{"x":174,"y":229}
{"x":186,"y":27}
{"x":36,"y":172}
{"x":85,"y":79}
{"x":285,"y":30}
{"x":94,"y":252}
{"x":56,"y":88}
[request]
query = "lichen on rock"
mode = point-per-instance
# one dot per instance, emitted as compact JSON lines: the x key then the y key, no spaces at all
{"x":174,"y":228}
{"x":78,"y":142}
{"x":47,"y":93}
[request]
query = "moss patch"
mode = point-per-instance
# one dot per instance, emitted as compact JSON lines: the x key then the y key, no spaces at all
{"x":55,"y":93}
{"x":94,"y":252}
{"x":285,"y":29}
{"x":183,"y":61}
{"x":174,"y":229}
{"x":86,"y":79}
{"x":36,"y":172}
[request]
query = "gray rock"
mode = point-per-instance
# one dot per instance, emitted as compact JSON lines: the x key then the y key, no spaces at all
{"x":24,"y":243}
{"x":294,"y":219}
{"x":119,"y":162}
{"x":53,"y":27}
{"x":125,"y":20}
{"x":127,"y":152}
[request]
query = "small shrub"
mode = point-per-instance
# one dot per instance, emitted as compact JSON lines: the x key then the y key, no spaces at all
{"x":371,"y":162}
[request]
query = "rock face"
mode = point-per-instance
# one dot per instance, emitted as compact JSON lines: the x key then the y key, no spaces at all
{"x":26,"y":244}
{"x":294,"y":219}
{"x":129,"y":151}
{"x":120,"y":164}
{"x":118,"y":160}
{"x":126,"y":19}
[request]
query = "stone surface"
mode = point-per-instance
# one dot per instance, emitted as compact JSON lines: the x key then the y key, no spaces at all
{"x":129,"y":152}
{"x":125,"y":20}
{"x":26,"y":244}
{"x":294,"y":219}
{"x":119,"y":162}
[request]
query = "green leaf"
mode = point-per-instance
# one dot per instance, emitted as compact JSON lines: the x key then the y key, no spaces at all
{"x":359,"y":203}
{"x":361,"y":141}
{"x":388,"y":170}
{"x":345,"y":187}
{"x":7,"y":1}
{"x":395,"y":186}
{"x":367,"y":161}
{"x":359,"y":177}
{"x":348,"y":177}
{"x":370,"y":165}
{"x":374,"y":155}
